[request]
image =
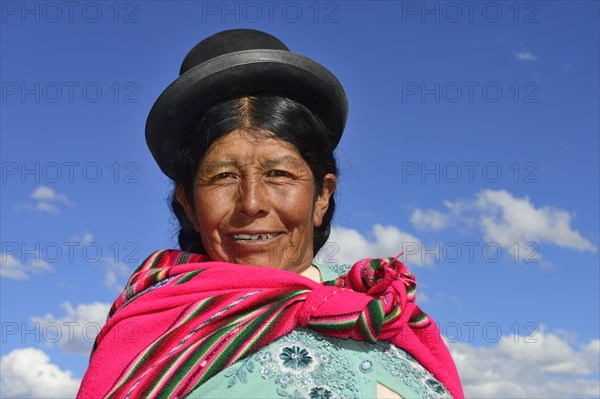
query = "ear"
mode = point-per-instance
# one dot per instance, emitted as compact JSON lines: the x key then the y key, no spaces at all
{"x":322,"y":202}
{"x":187,"y":207}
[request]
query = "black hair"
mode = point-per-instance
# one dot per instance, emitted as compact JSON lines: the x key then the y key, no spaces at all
{"x":287,"y":119}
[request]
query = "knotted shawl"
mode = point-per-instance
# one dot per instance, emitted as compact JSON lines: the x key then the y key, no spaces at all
{"x":182,"y":319}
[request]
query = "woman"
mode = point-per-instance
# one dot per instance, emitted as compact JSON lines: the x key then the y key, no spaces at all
{"x":247,"y":134}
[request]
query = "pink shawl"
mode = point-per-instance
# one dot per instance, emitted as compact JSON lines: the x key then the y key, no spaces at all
{"x":182,"y":319}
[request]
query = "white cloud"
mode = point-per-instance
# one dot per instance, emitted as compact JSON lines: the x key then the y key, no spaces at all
{"x":28,"y":373}
{"x":82,"y":239}
{"x":542,"y":366}
{"x":46,"y":207}
{"x":86,"y":238}
{"x":347,"y":246}
{"x":525,"y":56}
{"x":47,"y":199}
{"x":44,"y":193}
{"x":429,"y":220}
{"x":506,"y":220}
{"x":39,"y":207}
{"x":11,"y":267}
{"x":76,"y":331}
{"x":116,"y":273}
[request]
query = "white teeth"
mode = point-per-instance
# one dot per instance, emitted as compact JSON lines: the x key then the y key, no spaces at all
{"x":254,"y":236}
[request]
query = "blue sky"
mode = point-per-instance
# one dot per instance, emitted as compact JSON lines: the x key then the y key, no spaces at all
{"x":472,"y":144}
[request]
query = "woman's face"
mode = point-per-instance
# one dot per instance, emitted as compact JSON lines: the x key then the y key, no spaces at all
{"x":254,"y":202}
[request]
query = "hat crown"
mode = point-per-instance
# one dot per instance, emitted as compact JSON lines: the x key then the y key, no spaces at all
{"x":230,"y":41}
{"x":235,"y":63}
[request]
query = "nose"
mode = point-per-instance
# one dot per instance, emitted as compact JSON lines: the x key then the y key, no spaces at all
{"x":253,"y":198}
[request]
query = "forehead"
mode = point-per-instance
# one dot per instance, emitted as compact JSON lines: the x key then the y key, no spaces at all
{"x":243,"y":145}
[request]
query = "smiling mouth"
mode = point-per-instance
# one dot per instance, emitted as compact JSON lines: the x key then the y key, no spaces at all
{"x":251,"y":237}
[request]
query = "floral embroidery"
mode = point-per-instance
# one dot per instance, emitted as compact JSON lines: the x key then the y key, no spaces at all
{"x":295,"y":395}
{"x":295,"y":357}
{"x":268,"y":370}
{"x":319,"y":393}
{"x":240,"y":373}
{"x":403,"y":366}
{"x":304,"y":380}
{"x":263,"y":357}
{"x":284,"y":379}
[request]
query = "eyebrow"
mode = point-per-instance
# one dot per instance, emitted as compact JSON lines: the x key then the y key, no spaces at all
{"x":287,"y":159}
{"x":219,"y":164}
{"x":269,"y":162}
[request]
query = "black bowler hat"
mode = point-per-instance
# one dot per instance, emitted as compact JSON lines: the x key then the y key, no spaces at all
{"x":236,"y":63}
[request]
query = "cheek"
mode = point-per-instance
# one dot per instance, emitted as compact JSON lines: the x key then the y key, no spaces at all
{"x":299,"y":209}
{"x":211,"y":209}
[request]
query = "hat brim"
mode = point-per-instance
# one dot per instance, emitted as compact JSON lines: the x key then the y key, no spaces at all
{"x":249,"y":72}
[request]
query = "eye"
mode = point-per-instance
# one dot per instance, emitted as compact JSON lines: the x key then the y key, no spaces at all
{"x":224,"y":175}
{"x":278,"y":173}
